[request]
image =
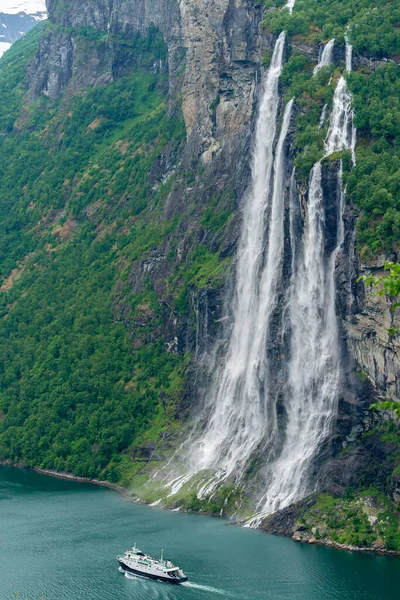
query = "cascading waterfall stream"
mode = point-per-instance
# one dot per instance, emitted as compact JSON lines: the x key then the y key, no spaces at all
{"x":314,"y":368}
{"x":340,"y":133}
{"x":349,"y":57}
{"x":242,"y":412}
{"x":290,"y":5}
{"x":238,"y":419}
{"x":325,"y":56}
{"x":239,"y":413}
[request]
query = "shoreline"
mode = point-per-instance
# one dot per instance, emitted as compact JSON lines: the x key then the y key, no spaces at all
{"x":347,"y":548}
{"x":70,"y":477}
{"x":327,"y":543}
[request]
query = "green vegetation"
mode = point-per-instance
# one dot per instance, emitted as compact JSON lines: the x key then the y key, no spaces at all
{"x":362,"y":519}
{"x":388,"y":285}
{"x":372,"y":27}
{"x":366,"y":516}
{"x":374,"y":184}
{"x":83,"y":370}
{"x":88,"y":382}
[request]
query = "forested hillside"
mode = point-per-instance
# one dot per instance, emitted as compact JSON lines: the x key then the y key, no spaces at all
{"x":79,"y":203}
{"x":372,"y":29}
{"x":122,"y":172}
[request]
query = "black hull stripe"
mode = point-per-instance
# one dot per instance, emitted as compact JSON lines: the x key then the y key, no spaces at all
{"x":150,"y":575}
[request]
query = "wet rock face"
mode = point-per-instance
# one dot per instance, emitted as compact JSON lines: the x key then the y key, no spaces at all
{"x":214,"y":56}
{"x":376,"y":353}
{"x":223,"y":48}
{"x":367,"y":319}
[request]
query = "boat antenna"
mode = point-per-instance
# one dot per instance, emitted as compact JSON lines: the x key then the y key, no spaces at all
{"x":162,"y":555}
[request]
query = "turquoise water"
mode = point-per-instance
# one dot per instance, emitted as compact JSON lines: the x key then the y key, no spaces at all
{"x":59,"y":539}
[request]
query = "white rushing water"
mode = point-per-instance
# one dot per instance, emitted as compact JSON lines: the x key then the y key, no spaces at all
{"x":238,"y":420}
{"x":290,"y":5}
{"x":242,"y":412}
{"x":314,"y":367}
{"x":340,"y":133}
{"x":349,"y":57}
{"x":325,"y":58}
{"x":323,"y":116}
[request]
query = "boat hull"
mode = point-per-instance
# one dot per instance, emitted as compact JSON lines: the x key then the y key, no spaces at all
{"x":151,"y":575}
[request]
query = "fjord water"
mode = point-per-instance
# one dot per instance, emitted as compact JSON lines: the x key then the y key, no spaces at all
{"x":59,"y":539}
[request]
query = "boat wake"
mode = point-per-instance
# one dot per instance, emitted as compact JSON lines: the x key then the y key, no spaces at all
{"x":203,"y":588}
{"x":207,"y":588}
{"x":130,"y":575}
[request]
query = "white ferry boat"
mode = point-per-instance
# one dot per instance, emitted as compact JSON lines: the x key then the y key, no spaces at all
{"x":135,"y":561}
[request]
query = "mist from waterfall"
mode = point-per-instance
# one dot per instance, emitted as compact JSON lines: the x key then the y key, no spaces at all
{"x":314,"y":366}
{"x":325,"y":58}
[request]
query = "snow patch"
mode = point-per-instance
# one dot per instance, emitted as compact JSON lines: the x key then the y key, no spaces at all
{"x":32,"y":7}
{"x":3,"y":47}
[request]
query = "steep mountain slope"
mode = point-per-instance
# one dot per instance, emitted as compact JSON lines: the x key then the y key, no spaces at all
{"x":126,"y":131}
{"x":18,"y":17}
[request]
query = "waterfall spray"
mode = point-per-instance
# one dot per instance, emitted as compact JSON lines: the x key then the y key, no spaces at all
{"x":325,"y":56}
{"x":314,"y":366}
{"x":237,"y":406}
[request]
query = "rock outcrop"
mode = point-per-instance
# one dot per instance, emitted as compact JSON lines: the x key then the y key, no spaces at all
{"x":376,"y":352}
{"x":214,"y":57}
{"x":214,"y":63}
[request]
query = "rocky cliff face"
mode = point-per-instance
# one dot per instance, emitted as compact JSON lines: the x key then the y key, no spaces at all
{"x":376,"y":353}
{"x":214,"y":56}
{"x":215,"y":52}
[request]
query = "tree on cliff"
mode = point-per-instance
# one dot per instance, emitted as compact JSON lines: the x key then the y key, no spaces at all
{"x":388,"y":285}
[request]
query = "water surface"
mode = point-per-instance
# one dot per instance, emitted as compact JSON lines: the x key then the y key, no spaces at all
{"x":59,"y":539}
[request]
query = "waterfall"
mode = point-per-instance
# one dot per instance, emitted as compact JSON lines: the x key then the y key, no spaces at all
{"x":349,"y":57}
{"x":349,"y":67}
{"x":323,"y":116}
{"x":290,"y":5}
{"x":325,"y":58}
{"x":340,"y":133}
{"x":314,"y":366}
{"x":314,"y":370}
{"x":278,"y":306}
{"x":238,"y":422}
